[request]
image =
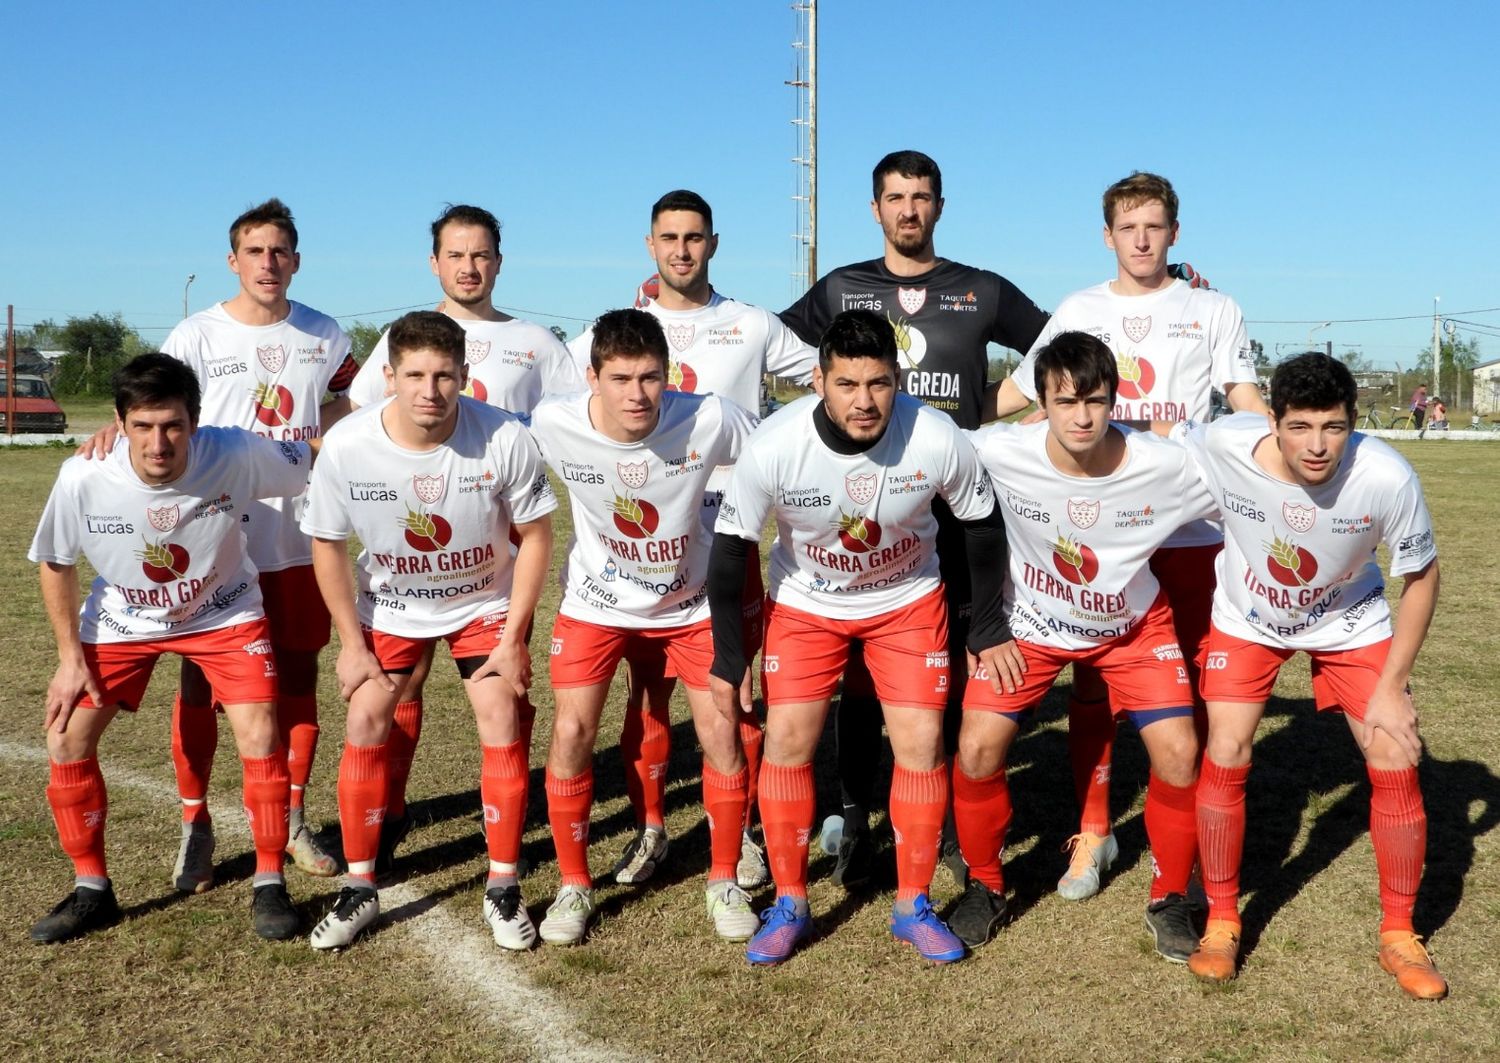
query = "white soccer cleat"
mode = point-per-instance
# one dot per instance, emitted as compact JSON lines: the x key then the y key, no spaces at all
{"x":357,"y":908}
{"x":642,"y":856}
{"x":568,"y":917}
{"x":751,"y":872}
{"x":506,"y":914}
{"x":729,"y":908}
{"x":1092,"y":856}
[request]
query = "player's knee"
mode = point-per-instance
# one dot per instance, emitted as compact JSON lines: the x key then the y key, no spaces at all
{"x":1228,"y":750}
{"x":255,"y":730}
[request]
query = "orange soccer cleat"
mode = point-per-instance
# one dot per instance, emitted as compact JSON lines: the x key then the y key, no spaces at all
{"x":1403,"y":955}
{"x":1218,"y":952}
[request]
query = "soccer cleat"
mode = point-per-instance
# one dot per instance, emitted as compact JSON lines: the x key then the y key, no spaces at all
{"x":1092,"y":856}
{"x":781,"y":932}
{"x":977,"y":915}
{"x":1218,"y":952}
{"x":1170,"y":921}
{"x":729,"y":908}
{"x":751,"y":873}
{"x":79,"y":912}
{"x":568,"y":917}
{"x":509,"y":921}
{"x":356,"y":908}
{"x":310,"y":857}
{"x":642,"y":856}
{"x":194,"y":870}
{"x":927,"y":933}
{"x":855,"y":860}
{"x":1403,"y":955}
{"x":275,"y":918}
{"x":392,"y":833}
{"x":951,"y":860}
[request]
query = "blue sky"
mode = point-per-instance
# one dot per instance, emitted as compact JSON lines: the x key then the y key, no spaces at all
{"x":1335,"y":161}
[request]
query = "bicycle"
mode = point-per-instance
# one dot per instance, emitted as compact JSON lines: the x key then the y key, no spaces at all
{"x":1403,"y":418}
{"x":1372,"y":420}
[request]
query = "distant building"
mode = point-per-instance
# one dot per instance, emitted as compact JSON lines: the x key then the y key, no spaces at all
{"x":1486,"y":384}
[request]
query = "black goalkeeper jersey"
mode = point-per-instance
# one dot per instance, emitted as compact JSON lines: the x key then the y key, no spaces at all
{"x":943,"y":320}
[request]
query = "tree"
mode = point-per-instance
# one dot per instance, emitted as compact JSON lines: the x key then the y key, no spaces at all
{"x":1262,"y":360}
{"x":96,"y":346}
{"x":1456,"y":360}
{"x":560,"y":332}
{"x":362,"y":339}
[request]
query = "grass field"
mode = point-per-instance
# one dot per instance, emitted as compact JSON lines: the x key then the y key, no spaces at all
{"x":184,"y":977}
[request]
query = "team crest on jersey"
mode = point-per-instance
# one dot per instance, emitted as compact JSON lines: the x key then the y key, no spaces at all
{"x":911,"y":299}
{"x":476,"y":351}
{"x":861,"y":488}
{"x":1083,"y":513}
{"x":165,"y":518}
{"x":428,"y":488}
{"x":681,"y":336}
{"x":1299,"y":518}
{"x":633,"y":476}
{"x":1137,"y":328}
{"x":273,"y":358}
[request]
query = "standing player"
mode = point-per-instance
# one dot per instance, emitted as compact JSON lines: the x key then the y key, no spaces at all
{"x":1306,"y":501}
{"x":850,"y":475}
{"x":722,"y":347}
{"x":159,"y":520}
{"x":1173,"y":343}
{"x":636,"y":460}
{"x":1086,"y":504}
{"x":433,"y":484}
{"x":512,"y":363}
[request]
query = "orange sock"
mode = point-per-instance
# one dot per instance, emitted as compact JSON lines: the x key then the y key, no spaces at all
{"x":297,"y":719}
{"x":502,"y":789}
{"x":266,"y":783}
{"x":362,"y":788}
{"x":1172,"y":830}
{"x":195,"y":737}
{"x":919,"y":800}
{"x":1091,"y":739}
{"x":526,"y":719}
{"x":1398,"y":831}
{"x":724,"y":798}
{"x":569,"y":802}
{"x":752,"y":741}
{"x":646,"y":746}
{"x":787,"y":804}
{"x":981,"y":815}
{"x":1221,"y":836}
{"x":79,"y":807}
{"x":401,"y":746}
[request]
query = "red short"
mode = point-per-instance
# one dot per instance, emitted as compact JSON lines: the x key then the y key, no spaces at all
{"x":1144,"y":670}
{"x":237,"y":660}
{"x":585,"y":654}
{"x":474,"y":642}
{"x":906,"y":651}
{"x":1186,"y":575}
{"x":752,"y":606}
{"x":1342,"y":680}
{"x":294,"y":607}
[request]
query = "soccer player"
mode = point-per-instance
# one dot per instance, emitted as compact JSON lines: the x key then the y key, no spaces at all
{"x":512,"y":363}
{"x":1306,"y":500}
{"x":850,"y":475}
{"x":434,"y":484}
{"x":1173,"y":344}
{"x":716,"y":345}
{"x":636,"y":459}
{"x":159,"y":520}
{"x":1086,"y":503}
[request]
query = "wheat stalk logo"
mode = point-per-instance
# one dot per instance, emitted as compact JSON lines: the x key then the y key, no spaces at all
{"x":1285,"y":553}
{"x":1129,"y":368}
{"x":629,"y":509}
{"x":854,"y":525}
{"x":1071,"y":554}
{"x":157,"y":555}
{"x":419,"y":523}
{"x":267,"y":398}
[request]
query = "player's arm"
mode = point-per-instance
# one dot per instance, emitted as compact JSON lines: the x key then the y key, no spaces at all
{"x":1390,"y":708}
{"x":511,"y":659}
{"x":809,"y":316}
{"x":727,"y":558}
{"x":990,"y":642}
{"x":334,"y":410}
{"x":72,"y":678}
{"x":1245,"y":397}
{"x":357,"y":664}
{"x":1001,"y":399}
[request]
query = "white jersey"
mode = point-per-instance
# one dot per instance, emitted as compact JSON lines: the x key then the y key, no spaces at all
{"x":639,"y":553}
{"x":269,"y":379}
{"x":170,"y":558}
{"x":1172,"y":348}
{"x":1081,"y":546}
{"x":435,"y":524}
{"x":855,"y":533}
{"x":512,"y":364}
{"x":1298,"y":569}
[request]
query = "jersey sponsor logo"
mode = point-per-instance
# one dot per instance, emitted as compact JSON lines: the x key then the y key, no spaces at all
{"x":428,"y":488}
{"x":681,"y":377}
{"x":476,"y":351}
{"x":1137,"y":328}
{"x":1299,"y":518}
{"x":272,"y":358}
{"x":610,"y":570}
{"x":1028,"y":508}
{"x":427,"y":532}
{"x":1352,"y":525}
{"x":1083,"y":513}
{"x":726,"y":337}
{"x":1167,"y":651}
{"x":163,"y":562}
{"x":1415,"y":544}
{"x":1217,"y":661}
{"x":911,"y":344}
{"x":212,"y":507}
{"x":911,"y":299}
{"x":1289,"y":564}
{"x":692,"y":461}
{"x":224,"y":367}
{"x":475,"y":389}
{"x":163,"y":518}
{"x":967,"y":303}
{"x":317,"y":355}
{"x":633,"y":475}
{"x":371,"y":491}
{"x":519,"y":359}
{"x":858,"y":533}
{"x":1137,"y":377}
{"x":107,"y":524}
{"x":1143,"y":517}
{"x":580,"y":473}
{"x":1074,"y":561}
{"x":635,"y":517}
{"x":681,"y":336}
{"x":909,"y":484}
{"x":860,"y":301}
{"x":803,"y":498}
{"x":1186,"y":330}
{"x":257,"y":648}
{"x":273,"y":404}
{"x":1242,"y":506}
{"x":861,"y":488}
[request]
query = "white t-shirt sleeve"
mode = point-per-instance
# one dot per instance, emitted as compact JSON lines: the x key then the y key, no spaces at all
{"x":561,"y":374}
{"x":326,"y":515}
{"x":1024,"y":374}
{"x":786,"y":354}
{"x":1232,"y":360}
{"x":527,"y":492}
{"x":581,"y":348}
{"x":273,"y":468}
{"x":738,"y":424}
{"x":965,"y":485}
{"x":58,"y":536}
{"x":747,"y":499}
{"x":1406,"y":528}
{"x":369,"y":383}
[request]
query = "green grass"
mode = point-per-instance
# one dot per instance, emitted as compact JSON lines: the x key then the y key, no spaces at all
{"x":184,"y":978}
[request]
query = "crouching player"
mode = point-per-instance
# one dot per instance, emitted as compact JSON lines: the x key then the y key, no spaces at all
{"x":433,"y":484}
{"x":1086,"y":504}
{"x":850,"y":475}
{"x":159,"y":519}
{"x":1305,"y":503}
{"x":636,"y":459}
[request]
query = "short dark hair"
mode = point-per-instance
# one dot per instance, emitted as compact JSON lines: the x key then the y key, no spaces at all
{"x":1085,"y":360}
{"x":464,"y":214}
{"x":425,"y":330}
{"x":908,"y":164}
{"x":857,"y":334}
{"x":154,"y":380}
{"x":1313,"y":381}
{"x":627,"y":333}
{"x":683,"y":199}
{"x":272,"y":212}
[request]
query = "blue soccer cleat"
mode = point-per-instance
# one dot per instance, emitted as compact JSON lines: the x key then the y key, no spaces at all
{"x":783,"y":931}
{"x":927,"y":933}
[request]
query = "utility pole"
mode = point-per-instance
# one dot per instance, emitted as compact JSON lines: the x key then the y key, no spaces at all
{"x":10,"y":370}
{"x":191,"y":277}
{"x":1437,"y":347}
{"x":805,"y":82}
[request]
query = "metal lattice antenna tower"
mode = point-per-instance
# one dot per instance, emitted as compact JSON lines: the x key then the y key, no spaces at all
{"x":805,"y":121}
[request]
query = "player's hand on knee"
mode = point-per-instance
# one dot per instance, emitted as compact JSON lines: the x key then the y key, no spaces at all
{"x":511,"y":663}
{"x":1396,"y":715}
{"x":71,"y":680}
{"x":747,"y":694}
{"x":1005,"y":665}
{"x":726,"y":697}
{"x":357,"y":666}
